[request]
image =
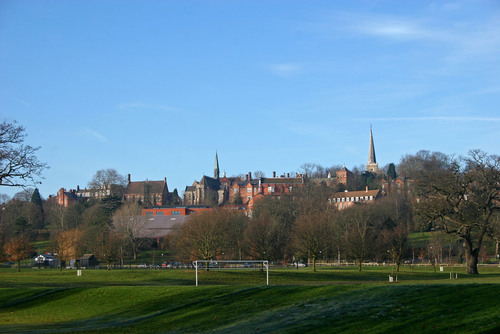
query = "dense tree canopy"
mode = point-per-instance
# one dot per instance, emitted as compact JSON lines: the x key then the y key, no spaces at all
{"x":212,"y":234}
{"x":462,"y":197}
{"x":457,"y":196}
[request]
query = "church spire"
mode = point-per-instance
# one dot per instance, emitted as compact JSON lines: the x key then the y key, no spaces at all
{"x":372,"y":165}
{"x":216,"y":168}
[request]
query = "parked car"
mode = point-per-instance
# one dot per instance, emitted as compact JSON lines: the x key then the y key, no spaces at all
{"x":143,"y":265}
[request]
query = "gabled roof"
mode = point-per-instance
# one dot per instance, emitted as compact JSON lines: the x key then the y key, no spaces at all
{"x":160,"y":226}
{"x":190,"y":188}
{"x":210,"y":182}
{"x":138,"y":187}
{"x":70,"y":194}
{"x":244,"y":183}
{"x":344,"y":169}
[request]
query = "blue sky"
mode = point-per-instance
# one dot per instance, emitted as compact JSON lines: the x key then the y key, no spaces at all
{"x":154,"y":88}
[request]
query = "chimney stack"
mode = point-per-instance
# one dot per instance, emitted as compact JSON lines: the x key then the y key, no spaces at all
{"x":249,"y":176}
{"x":128,"y":178}
{"x":274,"y":174}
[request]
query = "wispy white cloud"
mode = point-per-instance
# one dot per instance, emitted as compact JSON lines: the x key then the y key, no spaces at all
{"x":390,"y":27}
{"x":146,"y":107}
{"x":285,"y":69}
{"x":466,"y":39}
{"x":95,"y":134}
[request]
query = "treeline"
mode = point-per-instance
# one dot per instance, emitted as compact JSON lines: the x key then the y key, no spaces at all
{"x":299,"y":227}
{"x":455,"y":197}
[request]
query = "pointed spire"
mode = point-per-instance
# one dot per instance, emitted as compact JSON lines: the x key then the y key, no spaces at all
{"x":216,"y":168}
{"x":371,"y":151}
{"x":372,"y":165}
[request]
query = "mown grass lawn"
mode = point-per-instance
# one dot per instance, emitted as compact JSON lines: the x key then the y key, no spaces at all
{"x":330,"y":300}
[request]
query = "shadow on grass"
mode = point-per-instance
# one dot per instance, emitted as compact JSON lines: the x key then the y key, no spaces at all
{"x":296,"y":309}
{"x":35,"y":298}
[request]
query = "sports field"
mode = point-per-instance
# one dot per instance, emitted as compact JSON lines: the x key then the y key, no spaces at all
{"x":331,"y":300}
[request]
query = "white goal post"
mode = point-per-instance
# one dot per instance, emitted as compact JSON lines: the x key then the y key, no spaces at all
{"x":231,"y":265}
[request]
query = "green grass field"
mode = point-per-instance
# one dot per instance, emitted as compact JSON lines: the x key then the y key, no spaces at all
{"x":297,"y":301}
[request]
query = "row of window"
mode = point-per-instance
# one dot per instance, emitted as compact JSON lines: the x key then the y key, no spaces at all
{"x":350,"y":199}
{"x":270,"y":189}
{"x":249,"y":190}
{"x":161,"y":213}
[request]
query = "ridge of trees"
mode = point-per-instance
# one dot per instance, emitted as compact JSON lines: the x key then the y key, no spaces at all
{"x":457,"y":197}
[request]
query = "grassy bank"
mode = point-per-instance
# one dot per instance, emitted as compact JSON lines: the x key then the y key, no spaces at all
{"x":330,"y":300}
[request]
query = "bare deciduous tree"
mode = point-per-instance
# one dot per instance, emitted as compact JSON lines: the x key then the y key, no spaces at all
{"x":103,"y":243}
{"x":258,"y":174}
{"x":259,"y":237}
{"x":359,"y":237}
{"x":412,"y":165}
{"x":463,"y":199}
{"x":19,"y":165}
{"x":66,"y":245}
{"x":208,"y":235}
{"x":313,"y":235}
{"x":275,"y":218}
{"x":130,"y":225}
{"x":24,"y":195}
{"x":108,"y":181}
{"x":395,"y":242}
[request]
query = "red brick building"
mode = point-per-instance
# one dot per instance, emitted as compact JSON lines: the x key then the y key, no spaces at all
{"x":344,"y":176}
{"x":66,"y":198}
{"x":401,"y":186}
{"x":147,"y":192}
{"x":235,"y":190}
{"x":248,"y":188}
{"x":174,"y":210}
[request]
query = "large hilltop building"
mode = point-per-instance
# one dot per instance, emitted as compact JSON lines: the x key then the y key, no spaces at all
{"x":223,"y":190}
{"x":216,"y":190}
{"x":235,"y":190}
{"x":147,"y":192}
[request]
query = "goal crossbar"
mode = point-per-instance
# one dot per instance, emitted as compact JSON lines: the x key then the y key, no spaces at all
{"x":238,"y":264}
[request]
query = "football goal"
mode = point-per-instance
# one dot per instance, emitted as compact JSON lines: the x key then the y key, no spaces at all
{"x":231,"y":265}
